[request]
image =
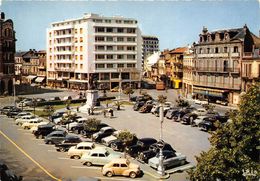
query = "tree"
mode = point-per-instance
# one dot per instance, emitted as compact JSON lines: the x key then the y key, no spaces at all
{"x":234,"y":154}
{"x":126,"y":136}
{"x":162,"y":99}
{"x":128,"y":91}
{"x":49,"y":110}
{"x":91,"y":124}
{"x":118,"y":104}
{"x":68,"y":117}
{"x":182,"y":103}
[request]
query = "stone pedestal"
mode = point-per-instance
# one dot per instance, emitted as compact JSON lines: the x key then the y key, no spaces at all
{"x":92,"y":96}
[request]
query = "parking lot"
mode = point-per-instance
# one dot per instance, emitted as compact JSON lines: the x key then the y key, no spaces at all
{"x":185,"y":139}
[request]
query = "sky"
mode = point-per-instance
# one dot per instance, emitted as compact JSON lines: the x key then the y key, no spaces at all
{"x":175,"y":22}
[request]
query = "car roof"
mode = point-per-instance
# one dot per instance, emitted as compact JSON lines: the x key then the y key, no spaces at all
{"x":147,"y":139}
{"x":57,"y":131}
{"x":85,"y":144}
{"x":99,"y":150}
{"x":106,"y":128}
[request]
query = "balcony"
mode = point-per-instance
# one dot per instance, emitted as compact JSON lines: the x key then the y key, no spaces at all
{"x":217,"y":69}
{"x":65,"y":69}
{"x":217,"y":85}
{"x":251,"y":75}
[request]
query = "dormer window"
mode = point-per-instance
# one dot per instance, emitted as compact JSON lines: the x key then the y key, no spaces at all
{"x":209,"y":38}
{"x":226,"y":36}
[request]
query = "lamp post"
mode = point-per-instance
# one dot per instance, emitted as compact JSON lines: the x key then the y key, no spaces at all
{"x":160,"y":168}
{"x":14,"y":91}
{"x":207,"y":93}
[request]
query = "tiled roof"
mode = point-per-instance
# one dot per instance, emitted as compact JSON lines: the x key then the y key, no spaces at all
{"x":19,"y":54}
{"x":179,"y":50}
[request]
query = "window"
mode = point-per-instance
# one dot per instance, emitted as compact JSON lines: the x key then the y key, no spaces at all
{"x":109,"y":30}
{"x":81,"y":30}
{"x":81,"y":48}
{"x":208,"y":50}
{"x":130,"y":48}
{"x":109,"y":47}
{"x":100,"y":66}
{"x":76,"y":57}
{"x":110,"y":65}
{"x":98,"y":57}
{"x":235,"y":49}
{"x":216,"y":50}
{"x":120,"y":47}
{"x":110,"y":56}
{"x":123,"y":165}
{"x":129,"y":65}
{"x":225,"y":49}
{"x":120,"y":56}
{"x":81,"y":66}
{"x":120,"y":39}
{"x":120,"y":65}
{"x":200,"y":51}
{"x":75,"y":31}
{"x":76,"y":40}
{"x":100,"y":47}
{"x":114,"y":75}
{"x":81,"y":57}
{"x":99,"y":38}
{"x":130,"y":30}
{"x":225,"y":65}
{"x":120,"y":30}
{"x":94,"y":155}
{"x":81,"y":39}
{"x":131,"y":57}
{"x":100,"y":29}
{"x":110,"y":38}
{"x":116,"y":165}
{"x":131,"y":39}
{"x":118,"y":21}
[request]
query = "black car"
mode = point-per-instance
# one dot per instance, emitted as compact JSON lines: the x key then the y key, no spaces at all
{"x":6,"y":109}
{"x":55,"y":137}
{"x":56,"y":115}
{"x":138,"y":105}
{"x":188,"y":118}
{"x":103,"y":132}
{"x":210,"y":124}
{"x":141,"y":145}
{"x":67,"y":143}
{"x":44,"y":130}
{"x":86,"y":132}
{"x":171,"y":112}
{"x":152,"y":152}
{"x":119,"y":145}
{"x":146,"y":108}
{"x":13,"y":112}
{"x":179,"y":114}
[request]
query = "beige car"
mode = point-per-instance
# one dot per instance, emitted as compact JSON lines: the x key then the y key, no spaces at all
{"x":121,"y":166}
{"x":77,"y":151}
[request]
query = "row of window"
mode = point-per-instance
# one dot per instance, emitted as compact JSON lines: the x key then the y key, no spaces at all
{"x":111,"y":39}
{"x":114,"y":30}
{"x":98,"y":66}
{"x":112,"y":48}
{"x":216,"y":50}
{"x":116,"y":21}
{"x":111,"y":56}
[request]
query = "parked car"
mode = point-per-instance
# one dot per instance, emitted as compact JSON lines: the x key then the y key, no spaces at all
{"x":76,"y":124}
{"x":55,"y":99}
{"x":99,"y":156}
{"x":188,"y":118}
{"x":103,"y":132}
{"x":138,"y":105}
{"x":178,"y":115}
{"x":171,"y":112}
{"x":222,"y":102}
{"x":86,"y":132}
{"x":44,"y":130}
{"x":68,"y":142}
{"x":22,"y":114}
{"x":107,"y":141}
{"x":119,"y":145}
{"x":13,"y":112}
{"x":122,"y":167}
{"x":171,"y":159}
{"x":33,"y":122}
{"x":24,"y":119}
{"x":55,"y":137}
{"x":141,"y":145}
{"x":200,"y":102}
{"x":209,"y":124}
{"x":6,"y":109}
{"x":152,"y":152}
{"x":56,"y":115}
{"x":198,"y":120}
{"x":146,"y":108}
{"x":157,"y":111}
{"x":77,"y":151}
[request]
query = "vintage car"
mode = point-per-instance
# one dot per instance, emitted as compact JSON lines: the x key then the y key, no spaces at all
{"x":146,"y":108}
{"x":81,"y":148}
{"x":122,"y":167}
{"x":171,"y":159}
{"x":23,"y":119}
{"x":55,"y":137}
{"x":103,"y":132}
{"x":99,"y":156}
{"x":68,"y":142}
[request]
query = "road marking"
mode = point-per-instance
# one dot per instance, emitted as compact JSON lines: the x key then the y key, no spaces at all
{"x":19,"y":148}
{"x":96,"y":168}
{"x":107,"y":178}
{"x":63,"y":158}
{"x":52,"y":151}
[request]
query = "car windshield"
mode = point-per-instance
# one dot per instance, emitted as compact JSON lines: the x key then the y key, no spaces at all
{"x":93,"y":146}
{"x":107,"y":153}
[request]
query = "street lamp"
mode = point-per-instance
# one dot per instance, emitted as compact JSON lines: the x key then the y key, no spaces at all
{"x":160,"y":168}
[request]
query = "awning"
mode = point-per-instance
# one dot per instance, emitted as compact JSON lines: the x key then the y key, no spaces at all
{"x":39,"y":79}
{"x":31,"y":77}
{"x":209,"y":92}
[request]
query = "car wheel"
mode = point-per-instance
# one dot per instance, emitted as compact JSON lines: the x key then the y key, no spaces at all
{"x":76,"y":157}
{"x":40,"y":136}
{"x":49,"y":142}
{"x":88,"y":164}
{"x":191,"y":120}
{"x":109,"y":174}
{"x":62,"y":149}
{"x":132,"y":174}
{"x":183,"y":162}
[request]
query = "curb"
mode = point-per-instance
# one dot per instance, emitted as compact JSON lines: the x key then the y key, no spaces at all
{"x":166,"y":176}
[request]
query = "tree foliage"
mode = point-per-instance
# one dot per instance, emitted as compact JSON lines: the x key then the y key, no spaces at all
{"x":182,"y":103}
{"x":162,"y":99}
{"x":49,"y":110}
{"x":234,"y":154}
{"x":91,"y":124}
{"x":128,"y":91}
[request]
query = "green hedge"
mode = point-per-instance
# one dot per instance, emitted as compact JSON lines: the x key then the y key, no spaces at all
{"x":60,"y":102}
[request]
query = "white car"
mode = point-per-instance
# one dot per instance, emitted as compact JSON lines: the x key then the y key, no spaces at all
{"x":109,"y":139}
{"x":23,"y":114}
{"x":77,"y":151}
{"x":196,"y":101}
{"x":78,"y":121}
{"x":198,"y":120}
{"x":23,"y":119}
{"x":170,"y":159}
{"x":32,"y":123}
{"x":200,"y":112}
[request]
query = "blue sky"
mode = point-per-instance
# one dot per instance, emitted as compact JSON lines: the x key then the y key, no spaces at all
{"x":175,"y":23}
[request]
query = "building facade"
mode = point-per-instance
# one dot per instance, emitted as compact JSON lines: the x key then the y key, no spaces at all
{"x":101,"y":51}
{"x":188,"y":65}
{"x":150,"y":46}
{"x":217,"y":63}
{"x":30,"y":67}
{"x":7,"y":51}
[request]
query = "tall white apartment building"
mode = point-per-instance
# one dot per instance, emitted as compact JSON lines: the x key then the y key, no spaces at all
{"x":105,"y":51}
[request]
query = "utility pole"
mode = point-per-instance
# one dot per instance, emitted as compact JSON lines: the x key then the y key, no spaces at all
{"x":14,"y":91}
{"x":160,"y":168}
